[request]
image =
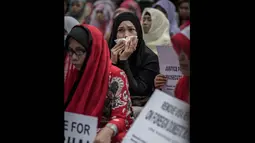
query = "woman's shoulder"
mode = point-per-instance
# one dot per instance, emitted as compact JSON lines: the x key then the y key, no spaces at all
{"x":116,"y":72}
{"x":149,"y":54}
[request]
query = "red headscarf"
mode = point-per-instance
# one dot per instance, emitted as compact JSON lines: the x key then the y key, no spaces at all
{"x":133,"y":6}
{"x":181,"y":41}
{"x":90,"y":94}
{"x":184,"y":25}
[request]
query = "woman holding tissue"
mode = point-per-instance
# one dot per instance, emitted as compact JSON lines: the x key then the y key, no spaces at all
{"x":134,"y":57}
{"x":95,"y":87}
{"x":155,"y":29}
{"x":181,"y":42}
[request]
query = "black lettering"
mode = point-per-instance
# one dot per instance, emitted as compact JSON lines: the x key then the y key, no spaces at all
{"x":149,"y":115}
{"x":169,"y":126}
{"x":151,"y":129}
{"x":86,"y":129}
{"x":171,"y":68}
{"x":186,"y":116}
{"x":165,"y":106}
{"x":73,"y":126}
{"x":87,"y":141}
{"x":171,"y":109}
{"x":173,"y":77}
{"x":177,"y":130}
{"x":79,"y":130}
{"x":167,"y":68}
{"x":69,"y":140}
{"x":66,"y":125}
{"x":80,"y":141}
{"x":179,"y":113}
{"x":178,"y":68}
{"x":161,"y":121}
{"x":185,"y":134}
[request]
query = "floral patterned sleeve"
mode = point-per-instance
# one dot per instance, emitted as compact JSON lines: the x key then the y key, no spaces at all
{"x":121,"y":107}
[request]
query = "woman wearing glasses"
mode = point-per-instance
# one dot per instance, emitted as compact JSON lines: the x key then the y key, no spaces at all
{"x":95,"y":87}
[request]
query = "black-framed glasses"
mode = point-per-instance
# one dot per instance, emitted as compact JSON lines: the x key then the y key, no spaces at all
{"x":78,"y":53}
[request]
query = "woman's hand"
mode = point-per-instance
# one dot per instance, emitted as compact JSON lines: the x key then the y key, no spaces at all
{"x":130,"y":47}
{"x":104,"y":136}
{"x":116,"y":50}
{"x":159,"y":81}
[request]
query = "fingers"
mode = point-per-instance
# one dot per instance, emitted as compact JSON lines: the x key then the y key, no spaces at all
{"x":160,"y":78}
{"x":119,"y":45}
{"x":116,"y":50}
{"x":159,"y":85}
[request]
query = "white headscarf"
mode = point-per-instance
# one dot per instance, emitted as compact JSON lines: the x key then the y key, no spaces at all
{"x":158,"y":34}
{"x":69,"y":23}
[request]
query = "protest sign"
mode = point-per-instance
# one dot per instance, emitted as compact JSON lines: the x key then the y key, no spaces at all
{"x":170,"y":67}
{"x":79,"y":128}
{"x":164,"y":119}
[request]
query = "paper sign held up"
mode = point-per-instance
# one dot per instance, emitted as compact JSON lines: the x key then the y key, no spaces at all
{"x":79,"y":128}
{"x":170,"y":67}
{"x":164,"y":119}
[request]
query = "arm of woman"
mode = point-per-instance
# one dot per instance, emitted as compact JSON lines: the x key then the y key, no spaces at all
{"x":143,"y":83}
{"x":121,"y":114}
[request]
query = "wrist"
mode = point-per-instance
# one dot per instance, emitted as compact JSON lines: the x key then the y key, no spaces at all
{"x":112,"y":129}
{"x":123,"y":58}
{"x":123,"y":61}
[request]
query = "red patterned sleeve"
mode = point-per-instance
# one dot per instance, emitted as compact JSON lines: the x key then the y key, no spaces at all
{"x":121,"y":114}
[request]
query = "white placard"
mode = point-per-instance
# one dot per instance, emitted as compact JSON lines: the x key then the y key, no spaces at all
{"x":170,"y":67}
{"x":164,"y":119}
{"x":79,"y":128}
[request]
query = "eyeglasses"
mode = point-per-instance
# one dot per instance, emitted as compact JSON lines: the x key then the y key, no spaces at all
{"x":78,"y":53}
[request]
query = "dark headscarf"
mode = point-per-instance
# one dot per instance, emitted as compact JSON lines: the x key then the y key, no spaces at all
{"x":141,"y":48}
{"x":143,"y":63}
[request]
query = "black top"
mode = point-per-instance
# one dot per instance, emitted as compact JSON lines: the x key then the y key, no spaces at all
{"x":141,"y":67}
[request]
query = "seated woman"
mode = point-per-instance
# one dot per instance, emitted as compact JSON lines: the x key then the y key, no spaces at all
{"x":134,"y":57}
{"x":181,"y":43}
{"x":168,"y":8}
{"x":155,"y":29}
{"x":95,"y":87}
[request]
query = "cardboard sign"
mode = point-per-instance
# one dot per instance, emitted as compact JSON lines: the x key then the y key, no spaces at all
{"x":79,"y":128}
{"x":164,"y":119}
{"x":170,"y":67}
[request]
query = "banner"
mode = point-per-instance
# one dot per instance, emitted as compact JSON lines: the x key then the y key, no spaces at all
{"x":164,"y":119}
{"x":170,"y":67}
{"x":79,"y":128}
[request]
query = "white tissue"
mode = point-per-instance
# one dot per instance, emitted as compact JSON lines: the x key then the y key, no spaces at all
{"x":124,"y":39}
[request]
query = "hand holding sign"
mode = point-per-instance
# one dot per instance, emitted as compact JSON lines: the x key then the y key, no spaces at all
{"x":170,"y":67}
{"x":160,"y":80}
{"x":104,"y":136}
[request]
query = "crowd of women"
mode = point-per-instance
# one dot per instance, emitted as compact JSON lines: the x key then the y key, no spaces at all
{"x":111,"y":63}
